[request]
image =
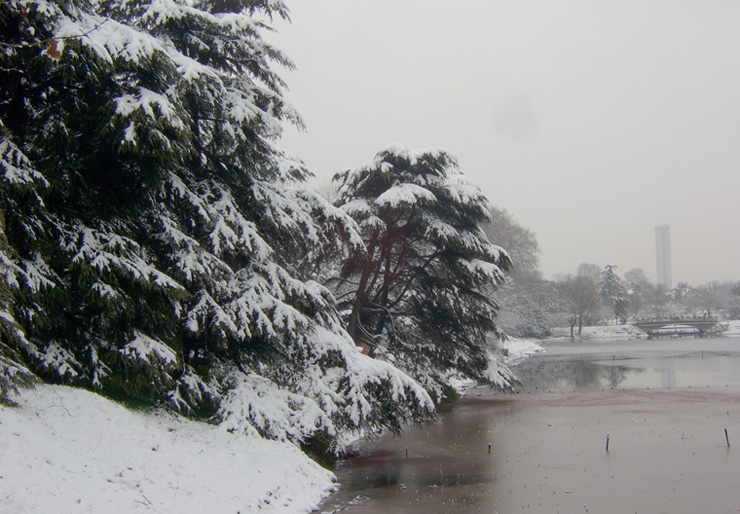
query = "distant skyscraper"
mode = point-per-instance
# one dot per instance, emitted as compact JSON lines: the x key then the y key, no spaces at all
{"x":663,"y":256}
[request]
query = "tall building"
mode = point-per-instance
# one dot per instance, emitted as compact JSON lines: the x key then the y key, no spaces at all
{"x":663,"y":256}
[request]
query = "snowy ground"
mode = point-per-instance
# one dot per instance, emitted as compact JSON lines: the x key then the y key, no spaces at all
{"x":733,"y":328}
{"x":68,"y":450}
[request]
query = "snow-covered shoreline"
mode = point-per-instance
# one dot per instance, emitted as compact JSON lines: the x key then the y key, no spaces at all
{"x":69,"y":450}
{"x":516,"y":349}
{"x":600,"y":332}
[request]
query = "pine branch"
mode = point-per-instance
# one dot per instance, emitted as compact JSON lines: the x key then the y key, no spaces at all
{"x":51,"y":49}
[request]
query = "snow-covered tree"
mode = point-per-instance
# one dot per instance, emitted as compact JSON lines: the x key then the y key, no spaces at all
{"x":530,"y":305}
{"x":589,"y":269}
{"x":733,"y":307}
{"x":155,"y":243}
{"x":706,"y":298}
{"x":612,"y":292}
{"x":416,"y":290}
{"x":637,"y":288}
{"x":520,"y":242}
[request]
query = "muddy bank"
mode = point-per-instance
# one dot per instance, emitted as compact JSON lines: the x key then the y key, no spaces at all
{"x":667,"y":453}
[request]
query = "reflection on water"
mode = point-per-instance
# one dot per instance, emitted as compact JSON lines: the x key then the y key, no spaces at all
{"x":441,"y":467}
{"x":673,"y":363}
{"x":543,"y":374}
{"x":537,"y":453}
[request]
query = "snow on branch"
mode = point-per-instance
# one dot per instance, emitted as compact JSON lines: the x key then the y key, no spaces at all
{"x":106,"y":252}
{"x":483,"y":271}
{"x":409,"y":194}
{"x":56,"y":358}
{"x":146,"y":349}
{"x":17,"y":168}
{"x":206,"y":312}
{"x":255,"y":405}
{"x":153,"y":105}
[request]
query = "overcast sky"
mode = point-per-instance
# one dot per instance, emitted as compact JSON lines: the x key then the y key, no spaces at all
{"x":591,"y":121}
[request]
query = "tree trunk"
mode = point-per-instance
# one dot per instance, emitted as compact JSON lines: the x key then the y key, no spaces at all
{"x":353,"y":327}
{"x":572,"y":324}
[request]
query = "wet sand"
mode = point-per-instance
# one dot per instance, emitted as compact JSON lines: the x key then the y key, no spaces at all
{"x":667,"y":454}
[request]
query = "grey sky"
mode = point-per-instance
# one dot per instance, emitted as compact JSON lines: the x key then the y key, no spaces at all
{"x":590,"y":121}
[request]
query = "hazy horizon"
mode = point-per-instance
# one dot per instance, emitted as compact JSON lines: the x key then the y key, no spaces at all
{"x":590,"y":122}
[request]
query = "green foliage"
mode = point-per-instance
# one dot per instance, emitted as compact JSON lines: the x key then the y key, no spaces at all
{"x":417,"y":287}
{"x":448,"y":394}
{"x":320,"y":446}
{"x":13,"y":375}
{"x":153,"y":244}
{"x":91,"y":134}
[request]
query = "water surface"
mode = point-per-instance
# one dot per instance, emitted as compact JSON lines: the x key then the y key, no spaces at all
{"x":664,"y":403}
{"x":682,"y":362}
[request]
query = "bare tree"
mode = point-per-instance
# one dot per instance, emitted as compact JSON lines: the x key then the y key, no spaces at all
{"x":582,"y":294}
{"x":520,"y":242}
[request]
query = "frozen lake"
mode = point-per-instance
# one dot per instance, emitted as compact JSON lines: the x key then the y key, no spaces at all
{"x":664,"y":403}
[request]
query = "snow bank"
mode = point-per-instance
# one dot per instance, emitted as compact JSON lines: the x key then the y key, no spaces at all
{"x":517,"y":349}
{"x":501,"y":376}
{"x":733,"y":327}
{"x":507,"y":353}
{"x":70,"y":450}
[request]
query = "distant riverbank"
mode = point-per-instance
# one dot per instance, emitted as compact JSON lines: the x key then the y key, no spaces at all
{"x":628,"y":331}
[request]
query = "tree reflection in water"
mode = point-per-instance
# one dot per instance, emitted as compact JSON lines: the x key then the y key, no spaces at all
{"x":559,"y":375}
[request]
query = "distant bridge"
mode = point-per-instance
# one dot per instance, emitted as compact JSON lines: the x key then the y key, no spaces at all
{"x":674,"y":326}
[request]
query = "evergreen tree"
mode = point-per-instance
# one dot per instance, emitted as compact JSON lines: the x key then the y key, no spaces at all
{"x":612,"y":293}
{"x":156,"y":245}
{"x":417,"y":288}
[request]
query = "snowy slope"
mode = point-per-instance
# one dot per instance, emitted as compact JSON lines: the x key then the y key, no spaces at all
{"x":69,"y":450}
